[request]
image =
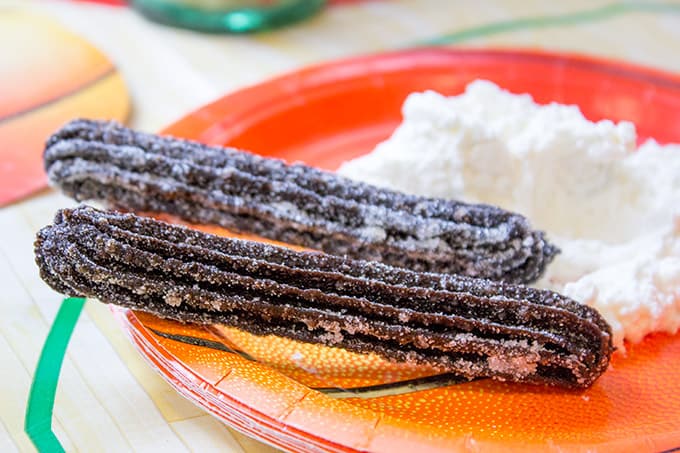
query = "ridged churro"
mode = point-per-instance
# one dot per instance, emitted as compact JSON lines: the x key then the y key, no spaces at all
{"x":471,"y":327}
{"x":296,"y":204}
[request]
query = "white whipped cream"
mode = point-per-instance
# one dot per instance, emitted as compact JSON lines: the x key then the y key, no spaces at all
{"x":611,"y":209}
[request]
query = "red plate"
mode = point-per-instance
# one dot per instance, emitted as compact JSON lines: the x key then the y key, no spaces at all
{"x":302,"y":397}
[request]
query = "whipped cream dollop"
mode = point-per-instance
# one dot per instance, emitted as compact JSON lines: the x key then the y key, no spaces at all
{"x":611,"y":208}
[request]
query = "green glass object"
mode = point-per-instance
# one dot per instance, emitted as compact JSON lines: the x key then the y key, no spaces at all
{"x":227,"y":16}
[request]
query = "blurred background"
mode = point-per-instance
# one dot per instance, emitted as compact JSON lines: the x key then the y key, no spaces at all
{"x":148,"y":63}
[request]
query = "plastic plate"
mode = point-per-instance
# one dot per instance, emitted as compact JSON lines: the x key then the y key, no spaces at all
{"x":301,"y":397}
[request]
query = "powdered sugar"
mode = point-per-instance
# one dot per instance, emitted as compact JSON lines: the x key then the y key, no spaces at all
{"x":610,"y":209}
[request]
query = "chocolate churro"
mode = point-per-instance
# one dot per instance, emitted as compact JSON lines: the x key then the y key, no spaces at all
{"x":471,"y":327}
{"x":296,"y":204}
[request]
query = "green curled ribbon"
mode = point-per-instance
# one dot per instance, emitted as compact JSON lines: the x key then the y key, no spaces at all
{"x":38,"y":421}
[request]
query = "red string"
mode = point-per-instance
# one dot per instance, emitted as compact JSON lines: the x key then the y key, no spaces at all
{"x":105,"y":2}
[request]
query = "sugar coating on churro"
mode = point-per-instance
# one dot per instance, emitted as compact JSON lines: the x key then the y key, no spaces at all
{"x":297,"y":204}
{"x":471,"y":327}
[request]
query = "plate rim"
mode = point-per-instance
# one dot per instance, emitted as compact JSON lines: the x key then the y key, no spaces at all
{"x":206,"y":118}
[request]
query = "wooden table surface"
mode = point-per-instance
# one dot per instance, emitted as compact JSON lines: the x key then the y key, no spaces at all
{"x":108,"y":398}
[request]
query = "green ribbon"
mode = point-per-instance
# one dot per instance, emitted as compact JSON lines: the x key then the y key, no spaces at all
{"x":579,"y":17}
{"x":38,"y":422}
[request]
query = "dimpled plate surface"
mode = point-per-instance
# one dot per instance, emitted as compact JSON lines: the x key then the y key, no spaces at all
{"x":301,"y":397}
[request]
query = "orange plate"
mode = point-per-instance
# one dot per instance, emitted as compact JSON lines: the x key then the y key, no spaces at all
{"x":302,"y":397}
